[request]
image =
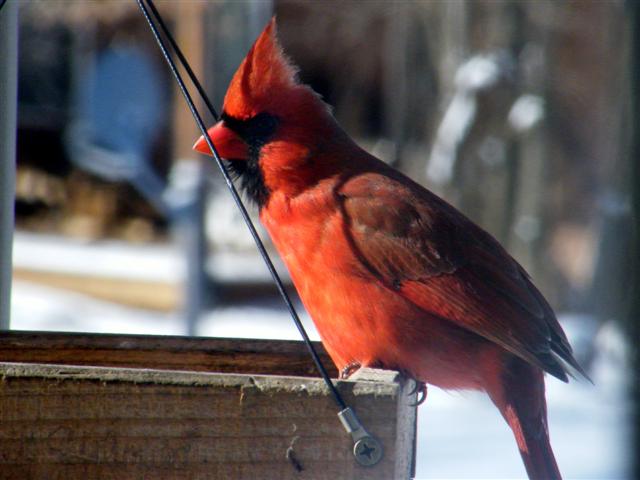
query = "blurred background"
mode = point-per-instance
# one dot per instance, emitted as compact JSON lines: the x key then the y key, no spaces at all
{"x":523,"y":114}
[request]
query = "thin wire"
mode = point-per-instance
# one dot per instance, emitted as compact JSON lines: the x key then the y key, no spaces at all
{"x":234,"y":193}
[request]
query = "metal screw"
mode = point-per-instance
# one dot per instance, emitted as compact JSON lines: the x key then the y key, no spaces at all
{"x":367,"y":451}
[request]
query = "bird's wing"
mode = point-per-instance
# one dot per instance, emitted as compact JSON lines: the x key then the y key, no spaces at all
{"x":428,"y":252}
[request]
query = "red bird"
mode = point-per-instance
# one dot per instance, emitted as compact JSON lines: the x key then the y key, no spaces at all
{"x":392,"y":275}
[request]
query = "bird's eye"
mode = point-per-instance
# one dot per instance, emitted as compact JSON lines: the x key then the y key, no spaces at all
{"x":255,"y":131}
{"x":262,"y":125}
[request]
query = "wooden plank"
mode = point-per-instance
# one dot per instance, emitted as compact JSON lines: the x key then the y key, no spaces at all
{"x":159,"y":296}
{"x":93,"y":422}
{"x":266,"y":357}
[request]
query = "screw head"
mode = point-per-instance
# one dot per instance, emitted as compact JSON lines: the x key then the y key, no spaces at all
{"x":368,"y":451}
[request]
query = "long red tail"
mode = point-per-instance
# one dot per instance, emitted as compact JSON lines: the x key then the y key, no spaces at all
{"x":520,"y":398}
{"x":533,"y":443}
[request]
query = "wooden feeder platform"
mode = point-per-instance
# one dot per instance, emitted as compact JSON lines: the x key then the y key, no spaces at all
{"x":78,"y":406}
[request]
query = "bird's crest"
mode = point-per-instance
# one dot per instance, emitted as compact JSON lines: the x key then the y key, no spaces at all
{"x":264,"y":71}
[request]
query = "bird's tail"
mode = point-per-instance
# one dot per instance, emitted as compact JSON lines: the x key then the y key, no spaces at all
{"x":521,"y":400}
{"x":533,"y":443}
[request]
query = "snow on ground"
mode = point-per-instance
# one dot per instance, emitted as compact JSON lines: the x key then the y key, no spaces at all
{"x":460,"y":434}
{"x":115,"y":259}
{"x":111,"y":259}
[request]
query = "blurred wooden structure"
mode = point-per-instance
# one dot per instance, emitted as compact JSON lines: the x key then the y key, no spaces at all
{"x":113,"y":406}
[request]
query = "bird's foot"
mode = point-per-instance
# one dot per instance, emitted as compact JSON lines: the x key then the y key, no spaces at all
{"x":349,"y":370}
{"x":421,"y":389}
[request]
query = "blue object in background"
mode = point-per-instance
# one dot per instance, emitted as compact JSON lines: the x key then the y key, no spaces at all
{"x":121,"y":106}
{"x":123,"y":102}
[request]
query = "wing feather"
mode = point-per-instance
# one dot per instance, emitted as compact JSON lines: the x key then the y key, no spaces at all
{"x":428,"y":252}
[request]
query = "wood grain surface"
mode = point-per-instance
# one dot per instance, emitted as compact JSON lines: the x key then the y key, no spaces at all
{"x":63,"y":419}
{"x":267,"y":357}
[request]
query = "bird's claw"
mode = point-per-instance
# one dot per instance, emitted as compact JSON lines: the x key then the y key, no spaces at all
{"x":421,"y":389}
{"x":349,"y":370}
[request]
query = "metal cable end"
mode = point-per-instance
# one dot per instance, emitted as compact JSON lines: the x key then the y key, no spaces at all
{"x":366,"y":449}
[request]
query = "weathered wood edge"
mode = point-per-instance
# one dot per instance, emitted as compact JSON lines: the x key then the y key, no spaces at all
{"x":406,"y":429}
{"x":263,"y":383}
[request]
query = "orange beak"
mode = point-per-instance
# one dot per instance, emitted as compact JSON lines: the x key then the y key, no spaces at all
{"x":228,"y":144}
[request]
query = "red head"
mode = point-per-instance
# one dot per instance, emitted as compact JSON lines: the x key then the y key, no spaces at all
{"x":269,"y":121}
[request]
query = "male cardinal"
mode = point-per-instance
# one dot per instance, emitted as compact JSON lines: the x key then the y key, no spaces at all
{"x":392,"y":275}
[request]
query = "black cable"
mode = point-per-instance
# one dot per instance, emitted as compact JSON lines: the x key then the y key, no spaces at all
{"x":234,"y":193}
{"x":2,"y":2}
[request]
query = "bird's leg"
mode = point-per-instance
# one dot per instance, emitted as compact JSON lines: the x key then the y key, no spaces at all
{"x":349,"y":369}
{"x":418,"y":387}
{"x":421,"y":389}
